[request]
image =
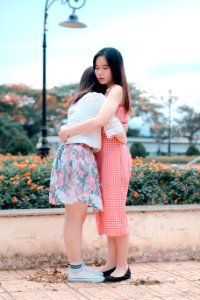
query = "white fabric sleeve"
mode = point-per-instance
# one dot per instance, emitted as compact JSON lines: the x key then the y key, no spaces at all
{"x":113,"y":127}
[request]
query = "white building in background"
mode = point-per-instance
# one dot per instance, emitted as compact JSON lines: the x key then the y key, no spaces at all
{"x":178,"y":145}
{"x":138,"y":123}
{"x":141,"y":124}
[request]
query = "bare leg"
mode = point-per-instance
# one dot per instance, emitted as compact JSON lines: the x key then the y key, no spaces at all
{"x":122,"y":247}
{"x":75,"y":215}
{"x":111,"y":261}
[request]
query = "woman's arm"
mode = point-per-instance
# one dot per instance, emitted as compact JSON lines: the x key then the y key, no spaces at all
{"x":107,"y":110}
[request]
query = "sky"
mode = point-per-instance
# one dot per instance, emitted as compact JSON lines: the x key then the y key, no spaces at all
{"x":159,"y":41}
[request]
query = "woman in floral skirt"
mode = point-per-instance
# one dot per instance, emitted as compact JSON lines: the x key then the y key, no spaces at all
{"x":74,"y":177}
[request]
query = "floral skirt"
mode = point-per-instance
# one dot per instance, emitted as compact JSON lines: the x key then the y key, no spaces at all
{"x":74,"y":177}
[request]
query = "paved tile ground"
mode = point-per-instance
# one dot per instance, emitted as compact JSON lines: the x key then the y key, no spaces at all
{"x":168,"y":281}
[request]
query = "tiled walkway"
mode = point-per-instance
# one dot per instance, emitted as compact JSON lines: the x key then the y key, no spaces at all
{"x":178,"y":280}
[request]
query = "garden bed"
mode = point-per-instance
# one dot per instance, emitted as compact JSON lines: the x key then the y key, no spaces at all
{"x":24,"y":183}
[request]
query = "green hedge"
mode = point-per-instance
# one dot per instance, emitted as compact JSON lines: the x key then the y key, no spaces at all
{"x":24,"y":183}
{"x":137,"y":149}
{"x":182,"y":159}
{"x":155,"y":184}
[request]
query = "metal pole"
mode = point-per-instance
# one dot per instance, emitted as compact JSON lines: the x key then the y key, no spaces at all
{"x":44,"y":149}
{"x":169,"y":128}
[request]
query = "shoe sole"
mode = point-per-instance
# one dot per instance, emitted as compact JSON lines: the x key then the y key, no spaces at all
{"x":85,"y":280}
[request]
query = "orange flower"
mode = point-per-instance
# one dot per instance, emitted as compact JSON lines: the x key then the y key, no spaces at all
{"x":41,"y":187}
{"x":135,"y":194}
{"x":34,"y":187}
{"x":175,"y":201}
{"x":15,"y":199}
{"x":23,"y":163}
{"x":17,"y":176}
{"x":20,"y":166}
{"x":16,"y":182}
{"x":29,"y":182}
{"x":2,"y":177}
{"x":33,"y":167}
{"x":27,"y":174}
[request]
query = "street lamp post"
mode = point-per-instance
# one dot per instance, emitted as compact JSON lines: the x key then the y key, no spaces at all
{"x":171,"y":99}
{"x":72,"y":22}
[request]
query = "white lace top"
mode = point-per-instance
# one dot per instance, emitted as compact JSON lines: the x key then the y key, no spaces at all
{"x":88,"y":107}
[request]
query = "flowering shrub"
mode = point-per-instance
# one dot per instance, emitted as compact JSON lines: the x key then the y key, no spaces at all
{"x":24,"y":183}
{"x":156,"y":183}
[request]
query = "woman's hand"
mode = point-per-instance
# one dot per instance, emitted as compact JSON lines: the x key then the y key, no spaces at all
{"x":125,"y":126}
{"x":63,"y":133}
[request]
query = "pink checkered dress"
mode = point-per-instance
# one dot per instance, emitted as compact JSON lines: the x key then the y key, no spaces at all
{"x":114,"y":166}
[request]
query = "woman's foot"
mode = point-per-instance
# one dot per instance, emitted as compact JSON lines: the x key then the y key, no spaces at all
{"x":106,"y":268}
{"x":108,"y":272}
{"x":125,"y":276}
{"x":93,"y":271}
{"x":119,"y":271}
{"x":83,"y":274}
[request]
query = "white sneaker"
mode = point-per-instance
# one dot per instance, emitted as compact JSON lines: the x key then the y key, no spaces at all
{"x":84,"y":275}
{"x":93,"y":271}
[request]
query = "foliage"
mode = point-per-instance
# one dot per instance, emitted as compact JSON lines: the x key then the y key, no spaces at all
{"x":20,"y":144}
{"x":8,"y":129}
{"x":142,"y":103}
{"x":155,"y":183}
{"x":145,"y":107}
{"x":192,"y":150}
{"x":23,"y":105}
{"x":137,"y":149}
{"x":24,"y":183}
{"x":188,"y":125}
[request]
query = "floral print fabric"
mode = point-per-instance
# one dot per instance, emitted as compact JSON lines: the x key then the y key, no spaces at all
{"x":74,"y":177}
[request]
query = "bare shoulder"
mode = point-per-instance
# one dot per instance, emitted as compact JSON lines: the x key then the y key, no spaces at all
{"x":116,"y":92}
{"x":117,"y":87}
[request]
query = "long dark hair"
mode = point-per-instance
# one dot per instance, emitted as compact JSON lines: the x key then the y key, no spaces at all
{"x":116,"y":64}
{"x":88,"y":83}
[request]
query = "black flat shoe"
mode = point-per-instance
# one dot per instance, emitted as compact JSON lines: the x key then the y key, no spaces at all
{"x":126,"y":276}
{"x":108,"y":272}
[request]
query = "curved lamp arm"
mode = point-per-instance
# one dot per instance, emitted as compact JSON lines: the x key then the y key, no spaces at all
{"x":73,"y":6}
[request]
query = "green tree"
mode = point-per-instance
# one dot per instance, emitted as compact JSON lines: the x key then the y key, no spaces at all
{"x":188,"y":124}
{"x":8,"y":129}
{"x":24,"y":105}
{"x":146,"y":107}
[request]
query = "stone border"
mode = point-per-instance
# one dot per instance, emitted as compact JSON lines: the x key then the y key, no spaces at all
{"x":60,"y":211}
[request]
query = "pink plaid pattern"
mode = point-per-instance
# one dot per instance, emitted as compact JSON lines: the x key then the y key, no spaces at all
{"x":114,"y":165}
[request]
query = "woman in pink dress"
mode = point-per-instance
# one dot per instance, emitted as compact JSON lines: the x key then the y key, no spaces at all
{"x":74,"y":177}
{"x":113,"y":161}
